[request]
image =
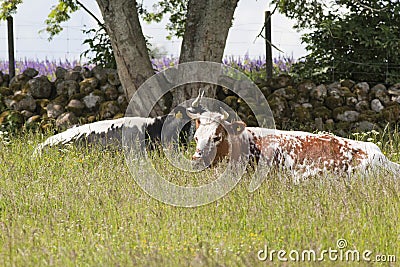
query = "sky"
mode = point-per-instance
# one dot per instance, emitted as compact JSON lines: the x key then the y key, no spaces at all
{"x":30,"y":43}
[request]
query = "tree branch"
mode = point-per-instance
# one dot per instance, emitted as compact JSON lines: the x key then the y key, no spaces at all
{"x":262,"y":30}
{"x":90,"y":13}
{"x":370,"y":8}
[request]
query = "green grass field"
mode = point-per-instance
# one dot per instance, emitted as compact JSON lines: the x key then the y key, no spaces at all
{"x":82,"y":207}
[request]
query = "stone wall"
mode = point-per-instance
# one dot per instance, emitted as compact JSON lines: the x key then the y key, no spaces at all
{"x":340,"y":107}
{"x":76,"y":96}
{"x":81,"y":96}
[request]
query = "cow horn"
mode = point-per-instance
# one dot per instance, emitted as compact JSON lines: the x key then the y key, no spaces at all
{"x":196,"y":102}
{"x":191,"y":115}
{"x":224,"y":113}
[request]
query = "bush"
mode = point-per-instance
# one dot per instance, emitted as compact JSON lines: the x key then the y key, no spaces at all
{"x":349,"y":39}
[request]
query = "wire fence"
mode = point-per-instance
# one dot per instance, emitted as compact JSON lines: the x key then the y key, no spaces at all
{"x":31,"y":43}
{"x":241,"y":44}
{"x":380,"y":65}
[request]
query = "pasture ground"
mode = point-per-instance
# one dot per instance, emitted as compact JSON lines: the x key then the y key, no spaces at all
{"x":82,"y":207}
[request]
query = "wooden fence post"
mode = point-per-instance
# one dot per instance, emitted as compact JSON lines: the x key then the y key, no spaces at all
{"x":268,"y":47}
{"x":11,"y":58}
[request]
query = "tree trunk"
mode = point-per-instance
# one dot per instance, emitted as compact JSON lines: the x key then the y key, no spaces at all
{"x":206,"y":30}
{"x":129,"y":45}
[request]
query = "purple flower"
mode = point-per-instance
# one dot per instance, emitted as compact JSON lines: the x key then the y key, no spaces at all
{"x":250,"y":66}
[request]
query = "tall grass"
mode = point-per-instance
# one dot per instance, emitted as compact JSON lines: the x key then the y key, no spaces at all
{"x":81,"y":206}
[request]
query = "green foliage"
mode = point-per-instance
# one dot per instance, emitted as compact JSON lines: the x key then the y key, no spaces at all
{"x":348,"y":39}
{"x":175,"y":8}
{"x":100,"y":50}
{"x":11,"y":121}
{"x":58,"y":14}
{"x":310,"y":69}
{"x":307,"y":13}
{"x":177,"y":15}
{"x":8,"y":7}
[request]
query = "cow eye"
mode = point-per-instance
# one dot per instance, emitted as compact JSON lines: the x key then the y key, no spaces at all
{"x":216,"y":138}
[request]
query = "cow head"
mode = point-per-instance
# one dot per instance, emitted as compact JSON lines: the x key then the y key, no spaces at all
{"x":215,"y":137}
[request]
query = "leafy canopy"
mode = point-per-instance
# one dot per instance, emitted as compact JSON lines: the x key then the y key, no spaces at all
{"x":100,"y":49}
{"x":357,"y":39}
{"x":8,"y":7}
{"x":59,"y":14}
{"x":177,"y":11}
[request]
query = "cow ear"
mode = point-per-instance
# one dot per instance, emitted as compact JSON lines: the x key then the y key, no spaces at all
{"x":237,"y":127}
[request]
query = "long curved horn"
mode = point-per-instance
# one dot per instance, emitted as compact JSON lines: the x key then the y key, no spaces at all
{"x":225,"y":114}
{"x":196,"y":102}
{"x":191,"y":115}
{"x":201,"y":93}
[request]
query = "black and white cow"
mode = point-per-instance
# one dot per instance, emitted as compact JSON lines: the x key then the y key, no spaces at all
{"x":303,"y":154}
{"x":109,"y":132}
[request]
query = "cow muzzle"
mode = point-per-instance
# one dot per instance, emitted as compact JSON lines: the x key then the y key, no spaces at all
{"x":198,"y":155}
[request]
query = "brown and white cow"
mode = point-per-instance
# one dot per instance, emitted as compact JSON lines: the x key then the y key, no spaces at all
{"x":301,"y":153}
